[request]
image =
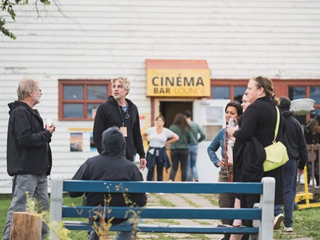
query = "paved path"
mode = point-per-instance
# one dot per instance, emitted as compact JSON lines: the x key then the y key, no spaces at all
{"x":184,"y":200}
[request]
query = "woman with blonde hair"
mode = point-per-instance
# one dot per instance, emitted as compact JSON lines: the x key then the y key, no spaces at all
{"x":255,"y":133}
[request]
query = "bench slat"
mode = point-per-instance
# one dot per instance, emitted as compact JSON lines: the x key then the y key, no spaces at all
{"x":168,"y":212}
{"x":77,"y":225}
{"x":163,"y":187}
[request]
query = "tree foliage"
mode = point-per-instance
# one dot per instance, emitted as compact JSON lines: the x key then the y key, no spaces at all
{"x":8,"y":6}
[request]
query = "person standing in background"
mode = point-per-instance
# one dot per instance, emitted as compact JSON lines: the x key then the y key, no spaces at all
{"x":159,"y":136}
{"x":223,"y":141}
{"x":179,"y":150}
{"x":245,"y":102}
{"x":312,"y":136}
{"x":193,"y":147}
{"x":29,"y":158}
{"x":123,"y":113}
{"x":296,"y":146}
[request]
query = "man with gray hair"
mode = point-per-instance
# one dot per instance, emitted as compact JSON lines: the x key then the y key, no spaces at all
{"x":29,"y":157}
{"x":119,"y":111}
{"x":295,"y":143}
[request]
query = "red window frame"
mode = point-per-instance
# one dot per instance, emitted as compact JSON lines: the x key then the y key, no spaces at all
{"x":85,"y":101}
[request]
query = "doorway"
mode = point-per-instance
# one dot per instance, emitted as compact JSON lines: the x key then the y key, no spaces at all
{"x":169,"y":109}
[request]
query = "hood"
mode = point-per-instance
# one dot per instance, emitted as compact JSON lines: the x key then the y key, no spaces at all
{"x":286,"y":113}
{"x":113,"y":142}
{"x":15,"y":104}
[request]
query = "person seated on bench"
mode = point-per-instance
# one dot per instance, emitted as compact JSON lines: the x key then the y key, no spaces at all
{"x":110,"y":165}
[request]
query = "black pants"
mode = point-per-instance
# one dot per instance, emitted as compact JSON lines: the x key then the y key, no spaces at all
{"x":179,"y":155}
{"x":159,"y":171}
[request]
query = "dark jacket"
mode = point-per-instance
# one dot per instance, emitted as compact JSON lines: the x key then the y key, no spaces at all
{"x":293,"y":139}
{"x":163,"y":157}
{"x":109,"y":114}
{"x":250,"y":158}
{"x":259,"y":121}
{"x":28,"y":150}
{"x":110,"y":165}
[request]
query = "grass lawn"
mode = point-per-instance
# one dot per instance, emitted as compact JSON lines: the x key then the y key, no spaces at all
{"x":306,"y":224}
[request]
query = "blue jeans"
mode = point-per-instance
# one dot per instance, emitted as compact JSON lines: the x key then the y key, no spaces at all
{"x":192,"y":162}
{"x":290,"y":182}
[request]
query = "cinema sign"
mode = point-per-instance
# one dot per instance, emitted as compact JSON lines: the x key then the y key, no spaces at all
{"x":178,"y":78}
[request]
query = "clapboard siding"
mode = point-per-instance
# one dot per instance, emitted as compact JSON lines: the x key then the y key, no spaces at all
{"x":104,"y":39}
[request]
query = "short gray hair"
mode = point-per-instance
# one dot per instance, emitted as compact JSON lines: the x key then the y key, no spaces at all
{"x":26,"y":86}
{"x":125,"y":81}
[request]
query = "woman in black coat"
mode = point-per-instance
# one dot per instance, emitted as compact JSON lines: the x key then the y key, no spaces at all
{"x":257,"y":131}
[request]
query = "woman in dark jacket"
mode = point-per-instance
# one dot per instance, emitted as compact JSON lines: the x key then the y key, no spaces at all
{"x":257,"y":126}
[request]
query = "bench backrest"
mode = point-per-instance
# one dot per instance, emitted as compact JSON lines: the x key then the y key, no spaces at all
{"x":263,"y":214}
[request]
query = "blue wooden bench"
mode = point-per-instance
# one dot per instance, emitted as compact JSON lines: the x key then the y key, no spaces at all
{"x":262,"y":216}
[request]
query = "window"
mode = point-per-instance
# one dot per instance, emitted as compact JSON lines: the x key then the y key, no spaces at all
{"x":79,"y":99}
{"x":220,"y":92}
{"x":297,"y":92}
{"x":312,"y":92}
{"x":232,"y":92}
{"x":238,"y":93}
{"x":315,"y":94}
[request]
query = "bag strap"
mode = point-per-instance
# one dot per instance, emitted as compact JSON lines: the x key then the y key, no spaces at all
{"x":277,"y":125}
{"x":225,"y":151}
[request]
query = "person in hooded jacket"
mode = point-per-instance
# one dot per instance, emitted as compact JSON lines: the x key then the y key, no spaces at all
{"x":295,"y":143}
{"x":29,"y":157}
{"x":123,"y":113}
{"x":110,"y":165}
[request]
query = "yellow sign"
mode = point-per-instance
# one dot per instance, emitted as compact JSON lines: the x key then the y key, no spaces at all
{"x":178,"y":82}
{"x":80,"y":129}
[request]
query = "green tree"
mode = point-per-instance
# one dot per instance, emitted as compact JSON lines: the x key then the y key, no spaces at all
{"x":8,"y":6}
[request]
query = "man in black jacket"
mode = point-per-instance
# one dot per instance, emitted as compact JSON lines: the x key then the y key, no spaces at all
{"x":293,"y":139}
{"x":110,"y":165}
{"x":29,"y":158}
{"x":123,"y":113}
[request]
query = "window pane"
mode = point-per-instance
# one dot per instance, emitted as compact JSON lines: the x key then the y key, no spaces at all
{"x":315,"y":94}
{"x":297,"y":92}
{"x":91,"y":110}
{"x":220,"y":92}
{"x":72,"y":110}
{"x":73,"y":92}
{"x":238,"y":93}
{"x":96,"y":92}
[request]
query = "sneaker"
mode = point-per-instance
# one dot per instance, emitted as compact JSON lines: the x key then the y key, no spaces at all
{"x":277,"y":221}
{"x":288,"y":229}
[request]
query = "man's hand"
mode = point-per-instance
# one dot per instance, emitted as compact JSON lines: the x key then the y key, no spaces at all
{"x":51,"y":128}
{"x":300,"y":172}
{"x":143,"y":163}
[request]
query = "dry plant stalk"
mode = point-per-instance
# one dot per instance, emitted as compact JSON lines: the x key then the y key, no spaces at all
{"x":59,"y":230}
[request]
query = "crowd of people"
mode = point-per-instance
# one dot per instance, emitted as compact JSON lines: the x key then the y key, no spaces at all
{"x":250,"y":127}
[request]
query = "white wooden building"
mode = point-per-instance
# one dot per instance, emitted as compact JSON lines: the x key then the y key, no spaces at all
{"x":96,"y":40}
